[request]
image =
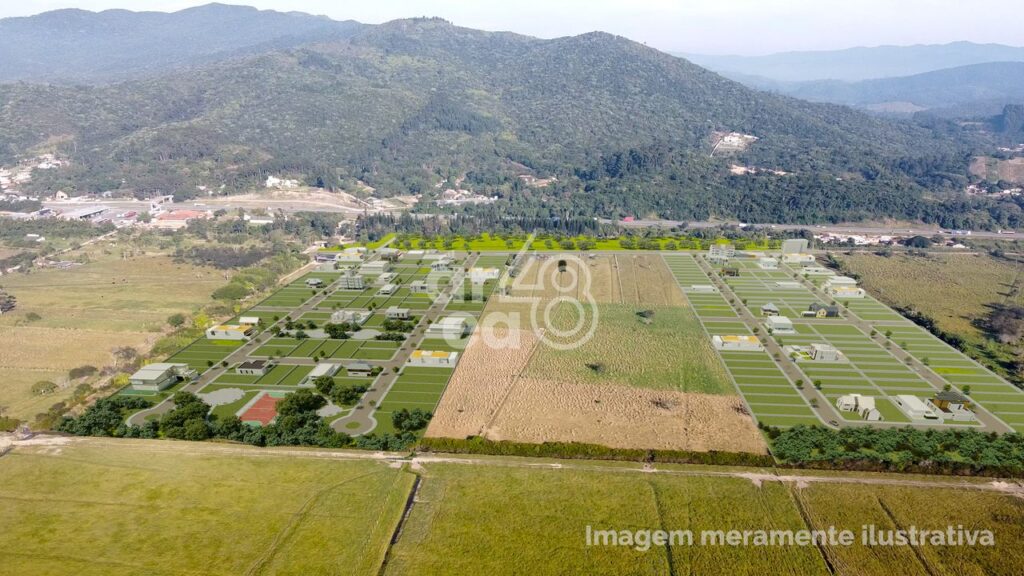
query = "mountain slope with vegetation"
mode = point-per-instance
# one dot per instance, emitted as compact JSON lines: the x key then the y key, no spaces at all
{"x":403,"y":106}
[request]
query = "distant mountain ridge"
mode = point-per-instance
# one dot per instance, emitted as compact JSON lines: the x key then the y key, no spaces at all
{"x":976,"y":84}
{"x":407,"y":105}
{"x":856,"y":64}
{"x":77,"y":46}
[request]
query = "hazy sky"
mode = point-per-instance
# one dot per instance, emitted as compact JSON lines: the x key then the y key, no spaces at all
{"x":699,"y":26}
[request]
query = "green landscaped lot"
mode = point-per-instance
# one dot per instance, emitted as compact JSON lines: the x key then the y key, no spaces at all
{"x":773,"y":399}
{"x":351,"y":349}
{"x":202,"y":352}
{"x":416,"y":387}
{"x":870,"y":368}
{"x":166,"y":508}
{"x":996,"y":395}
{"x":363,"y":299}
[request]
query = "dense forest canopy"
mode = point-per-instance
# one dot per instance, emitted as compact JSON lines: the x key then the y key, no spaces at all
{"x":407,"y":105}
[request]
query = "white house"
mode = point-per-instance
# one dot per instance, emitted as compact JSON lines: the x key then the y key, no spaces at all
{"x":350,"y":280}
{"x":769,"y":309}
{"x":817,"y":271}
{"x":914,"y":408}
{"x":800,"y":259}
{"x":433,"y":358}
{"x":840,"y":281}
{"x":768,"y":263}
{"x":721,"y":253}
{"x":348,"y":260}
{"x":314,"y":282}
{"x":788,"y":285}
{"x":388,"y":289}
{"x":448,"y":327}
{"x":824,"y":353}
{"x":779,"y":325}
{"x":842,"y":292}
{"x":230,"y":332}
{"x":442,"y":264}
{"x":249,"y":320}
{"x":864,"y":406}
{"x":481,"y":275}
{"x":419,"y":287}
{"x":161,"y":375}
{"x":737,"y":343}
{"x":321,"y":369}
{"x":375,"y":267}
{"x":701,"y":289}
{"x":352,"y":317}
{"x":396,"y":313}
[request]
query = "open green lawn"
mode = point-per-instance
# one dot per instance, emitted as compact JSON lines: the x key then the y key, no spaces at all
{"x":672,"y":352}
{"x":165,"y":508}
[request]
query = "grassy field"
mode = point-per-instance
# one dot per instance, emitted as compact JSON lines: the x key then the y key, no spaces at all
{"x":953,"y":289}
{"x":84,"y":314}
{"x":176,"y":508}
{"x":498,"y":520}
{"x":671,"y":352}
{"x":106,"y":507}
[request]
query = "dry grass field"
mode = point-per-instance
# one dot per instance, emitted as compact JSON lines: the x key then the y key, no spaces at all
{"x":621,"y":416}
{"x":482,"y":382}
{"x":648,"y":393}
{"x":633,"y":382}
{"x":952,"y":289}
{"x":84,"y":313}
{"x":897,"y":507}
{"x":646,"y":280}
{"x":641,"y":279}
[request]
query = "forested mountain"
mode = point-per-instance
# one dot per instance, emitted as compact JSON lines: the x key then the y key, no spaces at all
{"x":88,"y":47}
{"x":855,"y":64}
{"x":401,"y":106}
